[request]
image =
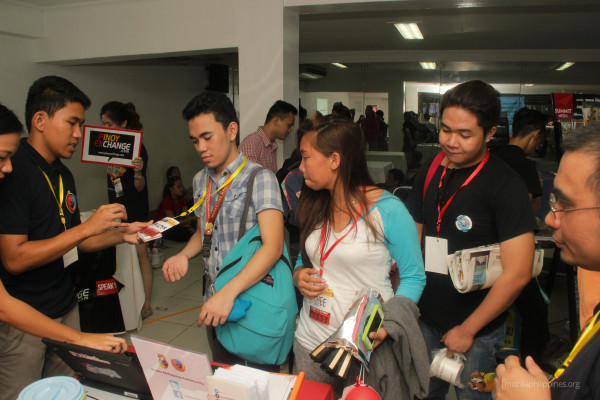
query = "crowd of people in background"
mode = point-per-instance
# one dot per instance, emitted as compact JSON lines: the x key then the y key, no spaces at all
{"x":346,"y":233}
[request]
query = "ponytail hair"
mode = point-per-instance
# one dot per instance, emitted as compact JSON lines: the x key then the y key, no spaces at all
{"x":120,"y":112}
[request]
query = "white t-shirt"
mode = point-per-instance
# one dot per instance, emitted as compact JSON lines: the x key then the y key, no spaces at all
{"x":359,"y":261}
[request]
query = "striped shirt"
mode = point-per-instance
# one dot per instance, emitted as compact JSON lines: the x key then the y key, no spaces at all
{"x":259,"y":149}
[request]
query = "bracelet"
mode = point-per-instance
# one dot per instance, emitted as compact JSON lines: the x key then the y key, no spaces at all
{"x":137,"y":178}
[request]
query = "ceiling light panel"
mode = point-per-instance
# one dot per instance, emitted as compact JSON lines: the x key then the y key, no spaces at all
{"x":409,"y":31}
{"x":428,"y":65}
{"x":565,"y":66}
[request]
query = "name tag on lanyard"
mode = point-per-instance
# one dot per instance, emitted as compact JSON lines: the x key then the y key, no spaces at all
{"x":71,"y":256}
{"x":320,"y":307}
{"x":436,"y":255}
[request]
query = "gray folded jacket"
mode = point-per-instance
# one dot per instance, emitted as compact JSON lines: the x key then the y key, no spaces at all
{"x":399,"y":367}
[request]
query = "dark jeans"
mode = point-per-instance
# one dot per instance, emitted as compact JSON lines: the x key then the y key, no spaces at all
{"x":480,"y":360}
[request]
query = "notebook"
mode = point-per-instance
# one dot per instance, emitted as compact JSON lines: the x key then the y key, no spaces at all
{"x":172,"y":372}
{"x":116,"y":373}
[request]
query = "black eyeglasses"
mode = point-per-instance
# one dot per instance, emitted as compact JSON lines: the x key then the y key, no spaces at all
{"x":553,"y":201}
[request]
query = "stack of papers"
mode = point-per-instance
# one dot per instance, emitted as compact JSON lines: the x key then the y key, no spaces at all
{"x":245,"y":383}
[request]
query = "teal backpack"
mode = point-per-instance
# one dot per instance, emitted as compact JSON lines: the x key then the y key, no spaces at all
{"x":266,"y":333}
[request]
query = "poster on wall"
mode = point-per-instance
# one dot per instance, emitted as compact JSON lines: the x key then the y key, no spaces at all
{"x":587,"y":107}
{"x":113,"y":146}
{"x":563,"y":105}
{"x":510,"y":105}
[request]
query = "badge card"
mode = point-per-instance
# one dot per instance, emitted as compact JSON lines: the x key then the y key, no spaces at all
{"x":110,"y":145}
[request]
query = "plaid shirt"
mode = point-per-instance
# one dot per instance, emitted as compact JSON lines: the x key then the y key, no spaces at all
{"x":259,"y":149}
{"x":265,"y":195}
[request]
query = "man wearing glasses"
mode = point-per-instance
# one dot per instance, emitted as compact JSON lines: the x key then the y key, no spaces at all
{"x":575,"y":220}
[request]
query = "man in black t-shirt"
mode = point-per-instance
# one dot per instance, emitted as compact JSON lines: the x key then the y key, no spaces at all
{"x":528,"y":131}
{"x":529,"y":127}
{"x":472,"y":199}
{"x":41,"y":232}
{"x":575,"y":220}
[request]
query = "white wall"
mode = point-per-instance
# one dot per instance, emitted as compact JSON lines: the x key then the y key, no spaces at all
{"x":159,"y":93}
{"x":114,"y":29}
{"x":356,"y":100}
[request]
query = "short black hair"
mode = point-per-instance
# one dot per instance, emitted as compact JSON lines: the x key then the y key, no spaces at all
{"x":341,"y":110}
{"x":477,"y":97}
{"x":9,"y":122}
{"x":397,"y":174}
{"x":50,"y":94}
{"x":526,"y":121}
{"x":213,"y":103}
{"x":280,"y":109}
{"x":302,"y":113}
{"x":587,"y":140}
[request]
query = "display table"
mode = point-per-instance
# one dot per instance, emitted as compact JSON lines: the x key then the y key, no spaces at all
{"x":379,"y":170}
{"x":131,"y":295}
{"x":310,"y":390}
{"x":397,"y":158}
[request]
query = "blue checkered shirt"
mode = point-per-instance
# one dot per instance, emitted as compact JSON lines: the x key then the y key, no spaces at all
{"x":265,"y":195}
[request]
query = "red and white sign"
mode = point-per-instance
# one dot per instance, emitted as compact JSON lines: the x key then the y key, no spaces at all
{"x":563,"y":105}
{"x":107,"y":287}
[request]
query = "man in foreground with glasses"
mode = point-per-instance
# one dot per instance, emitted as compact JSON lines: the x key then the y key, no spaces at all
{"x":575,"y":219}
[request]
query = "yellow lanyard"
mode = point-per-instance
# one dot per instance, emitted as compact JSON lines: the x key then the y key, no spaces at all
{"x":203,"y":198}
{"x":58,"y":202}
{"x":588,"y":333}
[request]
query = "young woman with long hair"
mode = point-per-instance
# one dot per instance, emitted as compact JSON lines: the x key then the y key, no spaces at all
{"x":351,"y":234}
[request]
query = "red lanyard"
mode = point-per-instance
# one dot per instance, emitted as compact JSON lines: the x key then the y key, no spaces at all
{"x":322,"y":244}
{"x":442,"y":211}
{"x":210,"y":217}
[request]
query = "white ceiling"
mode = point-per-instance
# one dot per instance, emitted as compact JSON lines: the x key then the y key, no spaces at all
{"x":524,"y":38}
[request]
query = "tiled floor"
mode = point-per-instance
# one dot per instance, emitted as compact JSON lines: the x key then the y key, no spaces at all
{"x":176,"y":307}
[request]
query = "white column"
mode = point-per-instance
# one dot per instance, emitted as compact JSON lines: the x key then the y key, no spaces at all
{"x":268,"y":63}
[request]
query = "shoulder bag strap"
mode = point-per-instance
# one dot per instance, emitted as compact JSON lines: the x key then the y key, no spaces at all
{"x":247,"y":202}
{"x":437,"y":161}
{"x":432,"y":168}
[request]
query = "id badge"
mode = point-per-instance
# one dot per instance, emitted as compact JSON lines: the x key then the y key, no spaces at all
{"x":155,"y":230}
{"x":118,"y":187}
{"x":436,"y":255}
{"x":320,"y":307}
{"x":70,"y":257}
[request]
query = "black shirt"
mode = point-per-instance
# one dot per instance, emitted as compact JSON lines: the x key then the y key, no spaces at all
{"x":515,"y":157}
{"x":581,"y":380}
{"x":28,"y":207}
{"x":497,"y":204}
{"x":136,"y":203}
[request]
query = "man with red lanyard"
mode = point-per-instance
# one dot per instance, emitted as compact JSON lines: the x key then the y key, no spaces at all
{"x":471,"y":199}
{"x":575,"y":219}
{"x":41,"y":230}
{"x":213,"y":127}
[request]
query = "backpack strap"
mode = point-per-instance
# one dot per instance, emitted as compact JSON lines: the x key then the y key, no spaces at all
{"x":432,"y":168}
{"x":247,"y":202}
